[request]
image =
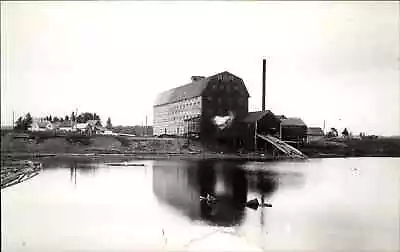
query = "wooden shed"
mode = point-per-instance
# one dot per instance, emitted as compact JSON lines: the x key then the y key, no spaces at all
{"x":293,"y":130}
{"x":260,"y":122}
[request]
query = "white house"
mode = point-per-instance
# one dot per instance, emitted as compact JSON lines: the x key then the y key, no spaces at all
{"x":41,"y":126}
{"x":66,"y":126}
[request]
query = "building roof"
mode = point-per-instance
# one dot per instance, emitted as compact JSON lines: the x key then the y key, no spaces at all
{"x":292,"y":122}
{"x":191,"y":90}
{"x":280,"y":117}
{"x":315,"y":131}
{"x":43,"y":124}
{"x":187,"y":91}
{"x":65,"y":124}
{"x":252,"y":117}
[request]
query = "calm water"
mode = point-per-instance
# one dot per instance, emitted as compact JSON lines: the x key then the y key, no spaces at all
{"x":320,"y":205}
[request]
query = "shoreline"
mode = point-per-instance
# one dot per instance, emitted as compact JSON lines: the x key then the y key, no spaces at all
{"x":147,"y":156}
{"x":175,"y":156}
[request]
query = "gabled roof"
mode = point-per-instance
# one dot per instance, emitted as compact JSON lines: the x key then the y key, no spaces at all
{"x":252,"y":117}
{"x":191,"y":90}
{"x":293,"y":121}
{"x":43,"y":124}
{"x":187,"y":91}
{"x":315,"y":131}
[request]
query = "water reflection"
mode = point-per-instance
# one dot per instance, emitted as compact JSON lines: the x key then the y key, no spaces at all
{"x":316,"y":206}
{"x":180,"y":185}
{"x":81,"y":166}
{"x":227,"y":182}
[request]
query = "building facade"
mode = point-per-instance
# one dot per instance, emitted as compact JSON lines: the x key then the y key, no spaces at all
{"x":196,"y":105}
{"x":314,"y":134}
{"x":293,"y":130}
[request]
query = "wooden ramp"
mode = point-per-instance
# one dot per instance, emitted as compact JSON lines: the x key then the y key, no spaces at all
{"x":282,"y":146}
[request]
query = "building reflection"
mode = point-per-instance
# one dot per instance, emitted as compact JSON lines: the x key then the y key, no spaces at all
{"x":181,"y":184}
{"x":83,"y":168}
{"x":228,"y":183}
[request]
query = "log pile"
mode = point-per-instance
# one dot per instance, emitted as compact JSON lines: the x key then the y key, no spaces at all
{"x":15,"y":172}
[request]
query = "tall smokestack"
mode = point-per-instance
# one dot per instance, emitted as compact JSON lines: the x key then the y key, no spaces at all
{"x":263,"y":84}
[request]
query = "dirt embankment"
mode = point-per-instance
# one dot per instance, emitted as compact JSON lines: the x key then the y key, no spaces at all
{"x":389,"y":147}
{"x":12,"y":143}
{"x":17,"y":143}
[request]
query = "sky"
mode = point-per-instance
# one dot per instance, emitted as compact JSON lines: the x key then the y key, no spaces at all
{"x":332,"y":61}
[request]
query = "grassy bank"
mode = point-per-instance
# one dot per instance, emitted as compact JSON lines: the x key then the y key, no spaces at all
{"x":380,"y":147}
{"x":113,"y":147}
{"x":108,"y":147}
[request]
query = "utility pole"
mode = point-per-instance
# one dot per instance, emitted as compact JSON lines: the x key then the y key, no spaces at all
{"x":255,"y":136}
{"x":146,"y":127}
{"x":13,"y":121}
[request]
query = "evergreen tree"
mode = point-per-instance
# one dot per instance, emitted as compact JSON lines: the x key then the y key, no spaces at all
{"x":109,"y":125}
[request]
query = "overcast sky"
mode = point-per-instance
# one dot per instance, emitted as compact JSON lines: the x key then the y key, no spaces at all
{"x":335,"y":61}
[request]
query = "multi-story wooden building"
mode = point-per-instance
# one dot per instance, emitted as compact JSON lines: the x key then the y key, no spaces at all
{"x":194,"y":107}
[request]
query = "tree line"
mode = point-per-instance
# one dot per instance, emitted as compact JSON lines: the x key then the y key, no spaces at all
{"x":335,"y":133}
{"x":24,"y":122}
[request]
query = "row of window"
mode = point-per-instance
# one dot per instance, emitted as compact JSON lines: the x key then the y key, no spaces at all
{"x":173,"y":118}
{"x":180,"y":107}
{"x":229,"y":100}
{"x":187,"y":104}
{"x":225,"y":77}
{"x":179,"y":130}
{"x":227,"y":87}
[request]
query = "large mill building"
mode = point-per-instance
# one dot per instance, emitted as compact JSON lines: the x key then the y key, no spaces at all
{"x":192,"y":108}
{"x":216,"y":108}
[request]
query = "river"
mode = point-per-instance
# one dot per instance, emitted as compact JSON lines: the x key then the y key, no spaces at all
{"x":347,"y":204}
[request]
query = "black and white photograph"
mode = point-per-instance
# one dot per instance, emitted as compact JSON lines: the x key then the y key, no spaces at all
{"x":200,"y":126}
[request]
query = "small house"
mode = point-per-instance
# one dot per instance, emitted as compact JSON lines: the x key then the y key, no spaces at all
{"x":293,"y":130}
{"x":83,"y":128}
{"x":95,"y":126}
{"x":65,"y":126}
{"x":314,"y":134}
{"x":259,"y":122}
{"x":41,"y":126}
